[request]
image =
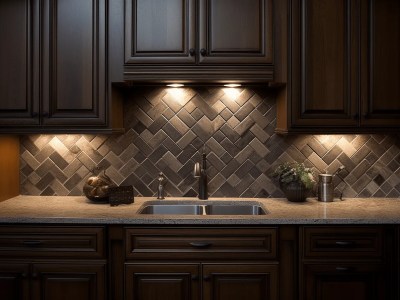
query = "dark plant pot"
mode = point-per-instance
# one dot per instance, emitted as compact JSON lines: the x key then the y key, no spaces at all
{"x":295,"y":191}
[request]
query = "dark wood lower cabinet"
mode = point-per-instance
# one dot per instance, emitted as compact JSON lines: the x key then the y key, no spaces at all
{"x":52,"y":281}
{"x":362,"y":281}
{"x":68,"y":281}
{"x":309,"y":262}
{"x":162,"y":281}
{"x":217,"y":282}
{"x":240,"y":281}
{"x":14,"y":282}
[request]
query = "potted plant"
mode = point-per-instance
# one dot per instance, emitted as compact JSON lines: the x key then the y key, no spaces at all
{"x":295,"y":180}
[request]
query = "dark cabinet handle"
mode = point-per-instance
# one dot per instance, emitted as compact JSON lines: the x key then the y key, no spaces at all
{"x":195,"y":277}
{"x":203,"y":52}
{"x":344,"y":243}
{"x":366,"y":116}
{"x":32,"y":243}
{"x":200,"y":244}
{"x":45,"y":114}
{"x":192,"y":52}
{"x":355,"y":116}
{"x":24,"y":275}
{"x":343,"y":269}
{"x":34,"y":275}
{"x":35,"y":114}
{"x":207,"y":278}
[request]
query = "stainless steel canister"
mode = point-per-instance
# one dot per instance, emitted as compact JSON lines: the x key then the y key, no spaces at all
{"x":325,"y":188}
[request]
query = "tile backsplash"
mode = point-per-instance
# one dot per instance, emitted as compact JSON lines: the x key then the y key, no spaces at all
{"x":166,"y":130}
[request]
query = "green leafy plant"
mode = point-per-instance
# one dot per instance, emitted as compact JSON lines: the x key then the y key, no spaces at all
{"x":294,"y":172}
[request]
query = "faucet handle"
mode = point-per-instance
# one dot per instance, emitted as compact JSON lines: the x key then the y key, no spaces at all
{"x":197,"y":170}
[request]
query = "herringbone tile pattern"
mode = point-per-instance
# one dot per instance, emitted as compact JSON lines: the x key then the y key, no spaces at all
{"x":166,"y":130}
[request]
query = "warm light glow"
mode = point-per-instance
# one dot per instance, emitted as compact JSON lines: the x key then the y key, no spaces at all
{"x":176,"y":93}
{"x":232,"y":85}
{"x":175,"y":85}
{"x":232,"y":93}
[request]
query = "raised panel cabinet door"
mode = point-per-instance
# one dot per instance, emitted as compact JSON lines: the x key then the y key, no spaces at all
{"x":324,"y":63}
{"x":235,"y":32}
{"x":77,"y":281}
{"x":14,"y":281}
{"x":380,"y":69}
{"x":162,"y":282}
{"x":347,"y":281}
{"x":73,"y":55}
{"x":18,"y":95}
{"x":160,"y":32}
{"x":240,"y":281}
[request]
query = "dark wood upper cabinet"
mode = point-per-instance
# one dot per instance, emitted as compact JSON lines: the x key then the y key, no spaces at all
{"x":342,"y":66}
{"x":18,"y":23}
{"x":380,"y":63}
{"x":54,"y":58}
{"x":73,"y":62}
{"x":198,"y":41}
{"x":159,"y":32}
{"x":324,"y":62}
{"x":235,"y":32}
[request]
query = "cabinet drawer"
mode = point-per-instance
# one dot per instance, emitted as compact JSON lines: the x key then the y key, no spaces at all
{"x":66,"y":242}
{"x":342,"y":242}
{"x":192,"y":243}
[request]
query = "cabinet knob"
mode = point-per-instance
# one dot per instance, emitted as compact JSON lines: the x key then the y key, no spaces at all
{"x":24,"y":275}
{"x":45,"y":114}
{"x":355,"y":116}
{"x":366,"y":116}
{"x":343,"y":269}
{"x":203,"y":52}
{"x":344,"y":243}
{"x":35,"y":114}
{"x":200,"y":244}
{"x":31,"y":243}
{"x":207,"y":278}
{"x":195,"y":277}
{"x":192,"y":52}
{"x":35,"y":275}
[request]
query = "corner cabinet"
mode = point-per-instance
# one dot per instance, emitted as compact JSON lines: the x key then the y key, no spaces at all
{"x":189,"y":40}
{"x":343,"y":63}
{"x":54,"y":65}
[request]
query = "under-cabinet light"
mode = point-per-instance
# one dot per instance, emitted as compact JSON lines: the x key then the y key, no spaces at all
{"x":175,"y":85}
{"x":232,"y":85}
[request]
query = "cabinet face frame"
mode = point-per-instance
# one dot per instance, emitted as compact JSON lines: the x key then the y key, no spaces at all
{"x":188,"y":35}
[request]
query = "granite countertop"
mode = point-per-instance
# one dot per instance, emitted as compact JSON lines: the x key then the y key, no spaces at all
{"x":79,"y":210}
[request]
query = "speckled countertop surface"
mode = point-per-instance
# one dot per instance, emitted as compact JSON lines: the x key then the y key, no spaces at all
{"x":79,"y":210}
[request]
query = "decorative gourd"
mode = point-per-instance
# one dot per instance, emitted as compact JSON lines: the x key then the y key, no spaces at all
{"x":97,"y":187}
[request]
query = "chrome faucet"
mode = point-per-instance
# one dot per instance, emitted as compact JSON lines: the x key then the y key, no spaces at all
{"x":160,"y":191}
{"x":201,"y":174}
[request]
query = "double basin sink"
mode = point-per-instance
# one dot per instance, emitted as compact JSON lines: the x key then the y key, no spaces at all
{"x":215,"y":208}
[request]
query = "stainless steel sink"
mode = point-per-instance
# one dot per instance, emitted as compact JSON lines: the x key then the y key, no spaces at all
{"x":199,"y":209}
{"x":234,"y":210}
{"x":172,"y":209}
